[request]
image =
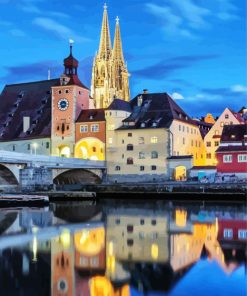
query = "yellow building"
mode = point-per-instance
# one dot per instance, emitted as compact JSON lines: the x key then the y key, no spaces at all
{"x":110,"y":77}
{"x":158,"y":140}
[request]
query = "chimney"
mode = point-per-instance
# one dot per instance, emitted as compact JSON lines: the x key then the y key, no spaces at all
{"x":26,"y":123}
{"x":145,"y":91}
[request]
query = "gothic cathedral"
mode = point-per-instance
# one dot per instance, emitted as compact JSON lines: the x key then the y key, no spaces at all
{"x":110,"y":77}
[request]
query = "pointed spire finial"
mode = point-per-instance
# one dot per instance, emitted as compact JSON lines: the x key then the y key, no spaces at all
{"x":105,"y":6}
{"x":117,"y":20}
{"x":71,"y":42}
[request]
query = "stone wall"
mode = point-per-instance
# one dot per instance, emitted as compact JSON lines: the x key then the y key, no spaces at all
{"x":135,"y":178}
{"x":36,"y":178}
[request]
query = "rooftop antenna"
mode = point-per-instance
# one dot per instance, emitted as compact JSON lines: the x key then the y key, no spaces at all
{"x":49,"y":74}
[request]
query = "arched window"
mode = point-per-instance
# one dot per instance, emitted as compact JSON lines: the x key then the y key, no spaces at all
{"x":154,"y":154}
{"x":130,"y":160}
{"x":130,"y":147}
{"x":117,"y":168}
{"x":94,"y":149}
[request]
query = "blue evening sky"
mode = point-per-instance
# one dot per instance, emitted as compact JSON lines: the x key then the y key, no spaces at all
{"x":194,"y":50}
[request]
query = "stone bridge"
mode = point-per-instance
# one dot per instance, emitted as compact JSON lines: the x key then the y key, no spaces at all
{"x":36,"y":170}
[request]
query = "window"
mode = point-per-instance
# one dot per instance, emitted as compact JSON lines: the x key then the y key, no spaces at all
{"x":66,"y":91}
{"x":130,"y":228}
{"x":60,"y":92}
{"x":222,"y":124}
{"x":130,"y":160}
{"x":227,"y":158}
{"x":110,"y":140}
{"x":117,"y":221}
{"x":129,"y":134}
{"x":242,"y":234}
{"x":216,"y":132}
{"x":153,"y":222}
{"x":47,"y":145}
{"x":183,"y":141}
{"x":226,"y":116}
{"x":228,"y":233}
{"x":117,"y":168}
{"x":141,"y":140}
{"x":130,"y":242}
{"x":208,"y":144}
{"x":208,"y":155}
{"x":130,"y":147}
{"x":13,"y":147}
{"x":153,"y":167}
{"x":154,"y":154}
{"x":242,"y":158}
{"x":191,"y":142}
{"x":94,"y":261}
{"x":122,"y":141}
{"x":83,"y":128}
{"x":179,"y":127}
{"x":142,"y":168}
{"x":216,"y":143}
{"x":94,"y":128}
{"x":28,"y":146}
{"x":94,"y":149}
{"x":111,"y":127}
{"x":142,"y":222}
{"x":141,"y":155}
{"x":154,"y":140}
{"x":122,"y":155}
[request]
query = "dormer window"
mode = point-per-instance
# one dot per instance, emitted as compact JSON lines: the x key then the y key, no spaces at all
{"x":180,"y":115}
{"x":226,"y":116}
{"x":233,"y":136}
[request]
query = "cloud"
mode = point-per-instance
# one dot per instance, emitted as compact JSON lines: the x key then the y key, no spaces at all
{"x":165,"y":67}
{"x":185,"y":18}
{"x":59,"y":30}
{"x":238,"y":88}
{"x":17,"y":33}
{"x":177,"y":96}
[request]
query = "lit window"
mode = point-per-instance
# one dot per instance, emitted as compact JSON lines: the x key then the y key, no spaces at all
{"x":216,"y":132}
{"x":154,"y":154}
{"x":242,"y":234}
{"x":242,"y":158}
{"x":208,"y":144}
{"x":154,"y":140}
{"x":94,"y":149}
{"x":227,"y":158}
{"x":216,"y":143}
{"x":95,"y":128}
{"x":208,"y":155}
{"x":141,"y":155}
{"x":83,"y":128}
{"x":141,"y":140}
{"x":111,"y":127}
{"x":222,"y":124}
{"x":228,"y":233}
{"x":130,"y":147}
{"x":110,"y":140}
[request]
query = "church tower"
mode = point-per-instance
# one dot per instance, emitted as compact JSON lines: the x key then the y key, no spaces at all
{"x":68,"y":99}
{"x":110,"y":77}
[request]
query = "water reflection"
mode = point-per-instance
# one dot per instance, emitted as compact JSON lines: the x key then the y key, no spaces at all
{"x":134,"y":250}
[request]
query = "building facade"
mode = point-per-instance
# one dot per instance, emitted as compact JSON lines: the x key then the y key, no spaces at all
{"x":110,"y":77}
{"x":232,"y":152}
{"x":212,"y":138}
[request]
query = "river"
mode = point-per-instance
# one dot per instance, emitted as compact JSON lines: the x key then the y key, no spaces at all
{"x":118,"y":248}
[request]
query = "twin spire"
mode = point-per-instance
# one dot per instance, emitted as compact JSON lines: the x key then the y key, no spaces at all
{"x":105,"y":48}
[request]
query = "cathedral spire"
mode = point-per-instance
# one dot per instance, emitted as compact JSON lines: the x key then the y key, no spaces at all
{"x":105,"y":38}
{"x":117,"y":48}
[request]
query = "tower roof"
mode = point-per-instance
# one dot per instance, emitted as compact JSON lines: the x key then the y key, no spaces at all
{"x":70,"y":61}
{"x":117,"y":48}
{"x":105,"y":38}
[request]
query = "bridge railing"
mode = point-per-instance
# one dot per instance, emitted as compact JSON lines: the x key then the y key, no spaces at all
{"x":56,"y":161}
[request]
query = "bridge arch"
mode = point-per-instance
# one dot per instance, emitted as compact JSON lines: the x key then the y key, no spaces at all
{"x":90,"y":148}
{"x":9,"y":174}
{"x":77,"y":176}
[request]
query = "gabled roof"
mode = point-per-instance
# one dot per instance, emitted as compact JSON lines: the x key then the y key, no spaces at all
{"x":91,"y":115}
{"x":238,"y":116}
{"x":120,"y":105}
{"x":31,"y":99}
{"x":154,"y":111}
{"x":234,"y":133}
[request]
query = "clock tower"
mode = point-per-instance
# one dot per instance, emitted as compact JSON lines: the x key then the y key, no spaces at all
{"x":69,"y":97}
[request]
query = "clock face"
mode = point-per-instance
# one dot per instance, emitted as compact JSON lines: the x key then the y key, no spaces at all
{"x":63,"y":104}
